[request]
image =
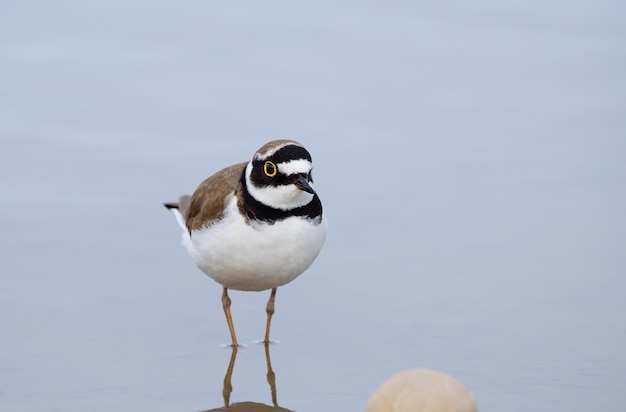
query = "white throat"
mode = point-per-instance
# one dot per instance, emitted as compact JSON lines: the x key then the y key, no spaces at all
{"x":284,"y":197}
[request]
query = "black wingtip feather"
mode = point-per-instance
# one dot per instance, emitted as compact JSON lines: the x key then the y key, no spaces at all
{"x":171,"y":205}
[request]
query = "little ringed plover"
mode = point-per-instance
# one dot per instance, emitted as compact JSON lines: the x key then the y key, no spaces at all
{"x":256,"y":225}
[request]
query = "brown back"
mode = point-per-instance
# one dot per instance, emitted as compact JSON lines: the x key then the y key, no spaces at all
{"x":208,"y":201}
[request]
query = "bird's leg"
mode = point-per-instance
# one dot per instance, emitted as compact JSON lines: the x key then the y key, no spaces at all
{"x":270,"y":311}
{"x":229,"y":319}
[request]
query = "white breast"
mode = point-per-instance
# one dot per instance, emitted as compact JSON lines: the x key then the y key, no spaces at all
{"x":255,"y":257}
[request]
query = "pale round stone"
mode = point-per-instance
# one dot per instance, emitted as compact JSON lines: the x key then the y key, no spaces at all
{"x":421,"y":390}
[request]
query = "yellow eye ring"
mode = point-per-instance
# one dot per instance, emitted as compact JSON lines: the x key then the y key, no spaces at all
{"x":270,"y":169}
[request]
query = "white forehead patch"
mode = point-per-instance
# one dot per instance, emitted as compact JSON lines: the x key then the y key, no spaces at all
{"x":272,"y":150}
{"x":293,"y":167}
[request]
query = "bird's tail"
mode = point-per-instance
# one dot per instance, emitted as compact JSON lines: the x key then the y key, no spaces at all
{"x":180,"y":210}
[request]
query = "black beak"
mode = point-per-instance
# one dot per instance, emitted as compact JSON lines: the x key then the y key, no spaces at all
{"x":303,"y":184}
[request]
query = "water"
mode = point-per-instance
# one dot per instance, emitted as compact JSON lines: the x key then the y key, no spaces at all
{"x":470,"y":159}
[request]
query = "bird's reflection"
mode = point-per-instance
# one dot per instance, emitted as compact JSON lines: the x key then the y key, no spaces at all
{"x":249,"y":406}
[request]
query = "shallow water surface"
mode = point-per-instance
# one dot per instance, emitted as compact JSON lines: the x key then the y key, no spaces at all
{"x":470,"y":159}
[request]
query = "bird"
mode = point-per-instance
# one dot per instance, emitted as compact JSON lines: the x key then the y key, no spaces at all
{"x":421,"y":390}
{"x":256,"y":225}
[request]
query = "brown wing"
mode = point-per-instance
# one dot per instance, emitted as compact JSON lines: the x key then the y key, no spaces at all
{"x":208,"y":201}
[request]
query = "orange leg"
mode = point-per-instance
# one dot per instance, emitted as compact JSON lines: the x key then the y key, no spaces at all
{"x":270,"y":311}
{"x":229,"y":319}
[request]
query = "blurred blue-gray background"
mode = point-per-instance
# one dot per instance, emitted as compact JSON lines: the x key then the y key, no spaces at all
{"x":471,"y":158}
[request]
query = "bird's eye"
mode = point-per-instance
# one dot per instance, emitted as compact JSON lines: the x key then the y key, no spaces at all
{"x":270,"y":169}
